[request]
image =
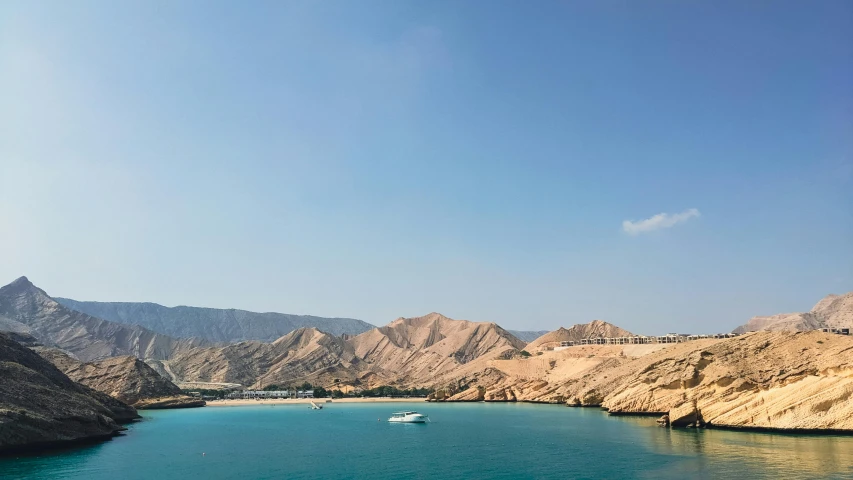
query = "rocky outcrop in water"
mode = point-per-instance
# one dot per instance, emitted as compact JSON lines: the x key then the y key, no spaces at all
{"x":772,"y":380}
{"x":40,"y":406}
{"x":26,"y":308}
{"x":213,"y":324}
{"x":126,"y":378}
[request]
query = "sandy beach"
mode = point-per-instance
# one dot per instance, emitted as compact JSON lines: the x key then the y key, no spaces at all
{"x":287,"y":401}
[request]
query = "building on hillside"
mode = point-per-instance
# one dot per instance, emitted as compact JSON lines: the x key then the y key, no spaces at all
{"x":305,"y":394}
{"x":837,"y":331}
{"x":259,"y":394}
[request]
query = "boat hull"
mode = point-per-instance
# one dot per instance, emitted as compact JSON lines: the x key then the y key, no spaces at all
{"x":411,"y":418}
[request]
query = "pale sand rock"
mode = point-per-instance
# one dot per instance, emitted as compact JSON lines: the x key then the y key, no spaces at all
{"x":833,"y":311}
{"x":419,"y":349}
{"x":126,"y":378}
{"x":593,"y":329}
{"x":774,"y":380}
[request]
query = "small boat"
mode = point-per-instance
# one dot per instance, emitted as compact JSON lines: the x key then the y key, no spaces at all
{"x":408,"y":417}
{"x":315,"y":406}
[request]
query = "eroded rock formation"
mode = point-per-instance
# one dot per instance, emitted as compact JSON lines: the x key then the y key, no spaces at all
{"x":40,"y":406}
{"x":126,"y":378}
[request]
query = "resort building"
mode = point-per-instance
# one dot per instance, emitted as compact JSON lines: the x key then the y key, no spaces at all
{"x":838,"y":331}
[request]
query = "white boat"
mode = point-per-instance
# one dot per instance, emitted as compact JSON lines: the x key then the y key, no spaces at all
{"x":408,"y":417}
{"x":314,"y":406}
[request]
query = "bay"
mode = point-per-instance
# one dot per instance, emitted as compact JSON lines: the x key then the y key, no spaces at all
{"x":463,"y":441}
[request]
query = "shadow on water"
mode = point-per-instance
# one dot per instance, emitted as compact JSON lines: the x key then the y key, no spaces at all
{"x":778,"y":455}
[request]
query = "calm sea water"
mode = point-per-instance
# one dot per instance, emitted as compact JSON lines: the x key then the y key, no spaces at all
{"x":464,"y":441}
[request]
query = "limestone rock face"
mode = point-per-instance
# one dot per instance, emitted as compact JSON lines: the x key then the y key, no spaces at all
{"x":126,"y":378}
{"x":26,"y":308}
{"x":833,"y":311}
{"x":40,"y":406}
{"x":774,"y":380}
{"x":593,"y":329}
{"x":213,"y":324}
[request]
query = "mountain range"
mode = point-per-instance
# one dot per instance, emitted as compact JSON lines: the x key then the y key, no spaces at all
{"x":28,"y":309}
{"x":770,"y":374}
{"x":213,"y":324}
{"x":408,"y":351}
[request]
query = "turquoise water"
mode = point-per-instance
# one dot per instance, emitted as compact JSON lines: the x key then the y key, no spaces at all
{"x":464,"y":441}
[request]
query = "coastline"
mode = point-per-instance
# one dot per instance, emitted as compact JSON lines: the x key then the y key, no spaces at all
{"x":297,"y":401}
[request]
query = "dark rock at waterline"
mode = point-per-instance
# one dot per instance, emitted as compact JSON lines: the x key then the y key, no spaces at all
{"x":40,"y":406}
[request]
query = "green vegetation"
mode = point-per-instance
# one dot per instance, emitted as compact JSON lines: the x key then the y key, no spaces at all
{"x":524,"y":353}
{"x":218,"y":394}
{"x":383,"y":391}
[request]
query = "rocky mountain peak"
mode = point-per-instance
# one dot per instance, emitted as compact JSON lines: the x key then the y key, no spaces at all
{"x":593,"y":329}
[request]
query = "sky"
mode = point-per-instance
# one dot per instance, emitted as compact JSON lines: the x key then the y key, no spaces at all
{"x":663,"y":165}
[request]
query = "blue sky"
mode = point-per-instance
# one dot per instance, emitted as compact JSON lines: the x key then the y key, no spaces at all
{"x":385,"y":159}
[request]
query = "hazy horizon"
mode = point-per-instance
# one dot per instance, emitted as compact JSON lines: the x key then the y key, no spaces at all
{"x":664,"y":166}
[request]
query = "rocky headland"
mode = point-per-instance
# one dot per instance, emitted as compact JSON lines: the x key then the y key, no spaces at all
{"x":40,"y":406}
{"x":125,"y":378}
{"x":800,"y":381}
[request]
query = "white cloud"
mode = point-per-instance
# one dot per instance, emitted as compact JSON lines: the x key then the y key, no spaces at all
{"x":657,"y":222}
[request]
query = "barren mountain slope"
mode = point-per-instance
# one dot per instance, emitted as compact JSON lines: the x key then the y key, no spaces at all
{"x":126,"y":378}
{"x":213,"y":324}
{"x":834,"y":311}
{"x":417,"y":349}
{"x":305,"y":354}
{"x":593,"y":329}
{"x":87,"y":337}
{"x":39,"y":405}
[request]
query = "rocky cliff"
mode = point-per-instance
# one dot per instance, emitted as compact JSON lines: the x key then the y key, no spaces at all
{"x":26,"y":308}
{"x":126,"y":378}
{"x":213,"y":324}
{"x":40,"y":406}
{"x":575,"y":333}
{"x":773,"y":380}
{"x":833,"y":311}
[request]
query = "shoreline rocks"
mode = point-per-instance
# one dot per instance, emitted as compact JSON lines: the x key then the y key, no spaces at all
{"x":40,"y":407}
